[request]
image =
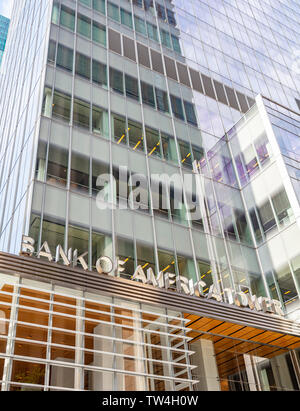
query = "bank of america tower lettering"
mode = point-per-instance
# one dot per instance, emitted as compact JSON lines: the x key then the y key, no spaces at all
{"x":149,"y":174}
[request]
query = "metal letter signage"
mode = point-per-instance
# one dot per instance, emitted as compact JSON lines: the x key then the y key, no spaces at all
{"x":163,"y":280}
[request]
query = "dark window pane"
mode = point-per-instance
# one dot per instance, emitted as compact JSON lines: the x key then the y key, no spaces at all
{"x":162,"y":100}
{"x":157,"y":63}
{"x":183,"y":74}
{"x":171,"y":17}
{"x":190,"y":113}
{"x":126,"y":18}
{"x":52,"y":51}
{"x":99,"y":73}
{"x":177,"y":107}
{"x":170,"y":68}
{"x":116,"y":80}
{"x":84,"y":26}
{"x":153,"y":142}
{"x":136,"y":138}
{"x":114,"y":41}
{"x":119,"y":132}
{"x":113,"y":11}
{"x":148,"y":94}
{"x":64,"y":58}
{"x":132,"y":88}
{"x":83,"y":66}
{"x":143,"y":53}
{"x":99,"y":33}
{"x":99,"y":5}
{"x":81,"y":114}
{"x":129,"y":49}
{"x":61,"y":106}
{"x":67,"y":18}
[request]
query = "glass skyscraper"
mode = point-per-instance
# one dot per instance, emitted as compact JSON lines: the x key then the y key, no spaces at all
{"x":4,"y":25}
{"x":164,"y":136}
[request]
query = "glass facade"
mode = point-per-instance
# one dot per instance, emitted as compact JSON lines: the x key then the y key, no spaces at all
{"x":163,"y":133}
{"x":4,"y":26}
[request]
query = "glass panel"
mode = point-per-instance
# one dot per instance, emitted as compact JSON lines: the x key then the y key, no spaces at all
{"x":81,"y":114}
{"x":148,"y":94}
{"x":140,"y":25}
{"x":64,"y":58}
{"x":152,"y":32}
{"x":169,"y":148}
{"x":125,"y":252}
{"x":162,"y":100}
{"x":57,"y":171}
{"x":153,"y":142}
{"x":84,"y":26}
{"x":99,"y":33}
{"x":83,"y":66}
{"x":126,"y":18}
{"x":119,"y":129}
{"x":145,"y":256}
{"x":113,"y":11}
{"x":27,"y":373}
{"x":132,"y":88}
{"x":116,"y":80}
{"x":99,"y":73}
{"x":80,"y":171}
{"x":61,"y":106}
{"x":177,"y":107}
{"x":67,"y":18}
{"x":99,"y":5}
{"x":136,"y":138}
{"x":100,"y":121}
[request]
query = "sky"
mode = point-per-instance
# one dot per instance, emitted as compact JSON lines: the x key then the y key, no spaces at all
{"x":5,"y":7}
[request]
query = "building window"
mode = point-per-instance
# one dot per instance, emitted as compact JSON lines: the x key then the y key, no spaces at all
{"x":186,"y":154}
{"x":99,"y":33}
{"x":99,"y":5}
{"x":136,"y":137}
{"x":85,"y":2}
{"x":176,"y":44}
{"x":125,"y":252}
{"x":126,"y":18}
{"x":162,"y":100}
{"x":81,"y":114}
{"x":148,"y":94}
{"x":177,"y":107}
{"x":116,"y":80}
{"x":83,"y":66}
{"x":267,"y":217}
{"x":119,"y":129}
{"x":80,"y":170}
{"x":165,"y":38}
{"x":67,"y":18}
{"x":169,"y":148}
{"x":190,"y":113}
{"x":113,"y":12}
{"x":61,"y":107}
{"x":140,"y":25}
{"x":132,"y":87}
{"x":100,"y":121}
{"x":282,"y":207}
{"x":57,"y":170}
{"x":64,"y":58}
{"x":153,"y":142}
{"x":152,"y":32}
{"x":52,"y":51}
{"x":84,"y":26}
{"x":99,"y":73}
